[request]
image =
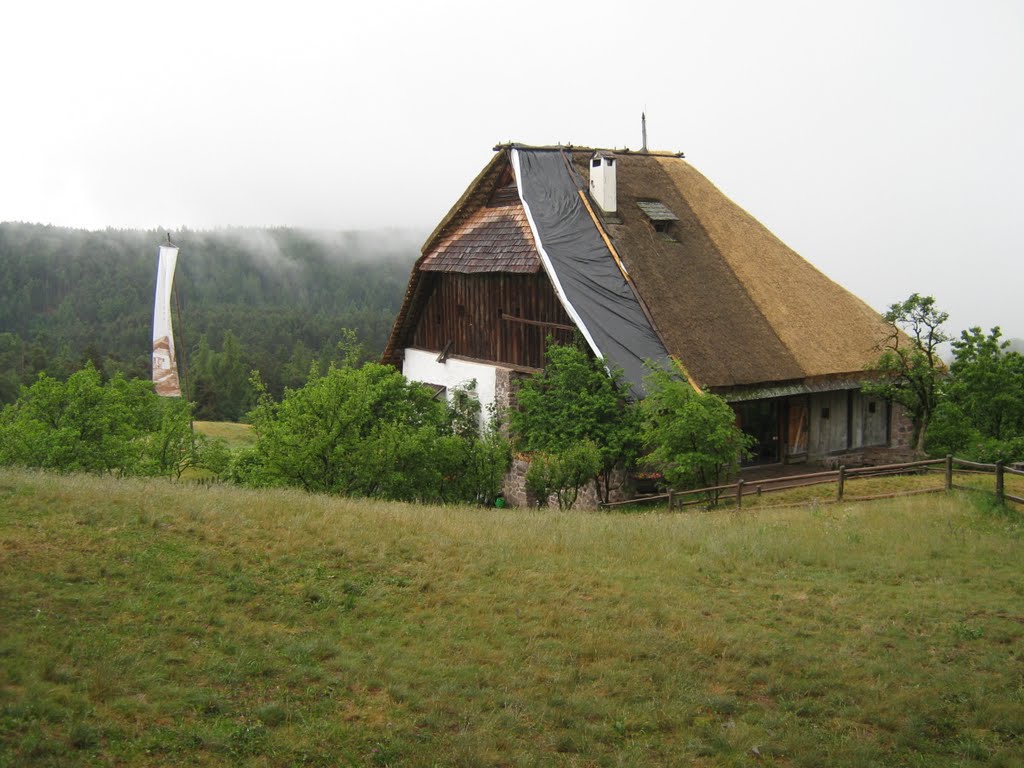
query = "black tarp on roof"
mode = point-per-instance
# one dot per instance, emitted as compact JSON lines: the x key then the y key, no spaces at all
{"x":587,"y":279}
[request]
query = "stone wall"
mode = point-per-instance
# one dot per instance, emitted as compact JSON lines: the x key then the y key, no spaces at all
{"x":516,"y":495}
{"x":872,"y":457}
{"x":901,"y":430}
{"x":514,"y":484}
{"x":503,"y":393}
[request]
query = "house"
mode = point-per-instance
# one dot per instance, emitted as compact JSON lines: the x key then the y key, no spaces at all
{"x":643,"y":256}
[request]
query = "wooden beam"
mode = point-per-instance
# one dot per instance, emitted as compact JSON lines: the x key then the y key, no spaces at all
{"x":443,"y":357}
{"x":639,"y":299}
{"x":538,"y":323}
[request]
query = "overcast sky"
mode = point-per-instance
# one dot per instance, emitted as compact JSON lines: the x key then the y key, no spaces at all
{"x":884,"y":141}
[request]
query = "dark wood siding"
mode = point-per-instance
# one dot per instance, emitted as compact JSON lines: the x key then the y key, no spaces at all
{"x":473,"y":310}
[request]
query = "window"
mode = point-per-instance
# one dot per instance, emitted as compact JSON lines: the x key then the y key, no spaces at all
{"x":659,"y":215}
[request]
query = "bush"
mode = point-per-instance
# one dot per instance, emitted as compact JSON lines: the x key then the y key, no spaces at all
{"x":562,"y":473}
{"x":247,"y":467}
{"x":370,"y":432}
{"x":950,"y":431}
{"x":575,"y":400}
{"x":481,"y":468}
{"x":83,"y":425}
{"x":989,"y":450}
{"x":692,"y":438}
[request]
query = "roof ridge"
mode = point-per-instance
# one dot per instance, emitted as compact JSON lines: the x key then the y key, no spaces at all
{"x":581,"y":148}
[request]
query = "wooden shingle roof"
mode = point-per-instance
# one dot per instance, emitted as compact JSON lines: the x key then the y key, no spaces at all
{"x":492,"y":239}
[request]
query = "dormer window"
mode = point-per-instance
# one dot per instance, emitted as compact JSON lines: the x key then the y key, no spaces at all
{"x":660,"y":216}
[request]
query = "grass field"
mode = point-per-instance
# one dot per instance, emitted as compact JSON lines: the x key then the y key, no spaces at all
{"x":151,"y":623}
{"x":235,"y":435}
{"x":857,"y":487}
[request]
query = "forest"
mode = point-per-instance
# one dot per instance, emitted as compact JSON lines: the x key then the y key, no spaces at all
{"x":272,"y":300}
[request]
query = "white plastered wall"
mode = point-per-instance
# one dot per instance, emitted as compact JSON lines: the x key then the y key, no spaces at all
{"x":423,"y":366}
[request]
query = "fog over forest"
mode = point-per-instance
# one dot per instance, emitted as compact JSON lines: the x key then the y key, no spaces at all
{"x":283,"y":295}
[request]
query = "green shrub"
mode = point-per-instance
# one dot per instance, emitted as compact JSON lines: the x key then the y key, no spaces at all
{"x":575,"y":399}
{"x":370,"y":432}
{"x":950,"y":431}
{"x":563,"y":473}
{"x":692,"y":438}
{"x":84,"y":425}
{"x":989,"y":450}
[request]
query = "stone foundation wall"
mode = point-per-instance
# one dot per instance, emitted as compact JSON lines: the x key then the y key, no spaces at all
{"x":901,"y":429}
{"x":516,"y":495}
{"x":503,"y":390}
{"x":514,"y":484}
{"x":872,"y":457}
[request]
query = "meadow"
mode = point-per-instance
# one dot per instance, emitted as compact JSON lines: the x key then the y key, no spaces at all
{"x":234,"y":435}
{"x":144,"y":622}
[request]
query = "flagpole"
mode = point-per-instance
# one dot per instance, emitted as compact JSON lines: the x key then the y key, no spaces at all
{"x":184,"y":344}
{"x":181,"y":331}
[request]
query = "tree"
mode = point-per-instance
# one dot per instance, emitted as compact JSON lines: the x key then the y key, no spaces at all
{"x":981,"y":414}
{"x":574,"y":400}
{"x":366,"y":432}
{"x":563,"y":473}
{"x":692,"y":438}
{"x":203,"y":381}
{"x":272,"y":288}
{"x":232,"y":379}
{"x":911,"y":367}
{"x":84,"y":425}
{"x":987,"y":383}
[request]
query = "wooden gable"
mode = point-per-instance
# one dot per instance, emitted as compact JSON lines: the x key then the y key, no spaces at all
{"x":479,"y":291}
{"x":494,"y":317}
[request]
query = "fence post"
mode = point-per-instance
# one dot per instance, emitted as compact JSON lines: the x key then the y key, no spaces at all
{"x":999,"y":482}
{"x":739,"y":492}
{"x":949,"y":472}
{"x":842,"y":482}
{"x":671,"y":500}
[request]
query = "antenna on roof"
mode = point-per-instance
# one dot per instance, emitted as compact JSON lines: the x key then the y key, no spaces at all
{"x":643,"y":130}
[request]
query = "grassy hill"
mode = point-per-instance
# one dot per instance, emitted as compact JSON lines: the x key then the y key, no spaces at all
{"x":149,"y":623}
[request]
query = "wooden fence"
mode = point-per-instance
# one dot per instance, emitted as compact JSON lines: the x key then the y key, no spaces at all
{"x":949,"y":467}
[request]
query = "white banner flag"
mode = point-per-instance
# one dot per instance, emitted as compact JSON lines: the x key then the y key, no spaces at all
{"x":165,"y":363}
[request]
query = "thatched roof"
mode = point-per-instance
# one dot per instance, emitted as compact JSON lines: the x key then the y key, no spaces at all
{"x":731,"y":301}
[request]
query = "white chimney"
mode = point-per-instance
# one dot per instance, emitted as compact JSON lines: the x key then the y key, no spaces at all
{"x":602,"y":181}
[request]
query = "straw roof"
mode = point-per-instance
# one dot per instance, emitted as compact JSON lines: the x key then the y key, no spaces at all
{"x":731,"y":301}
